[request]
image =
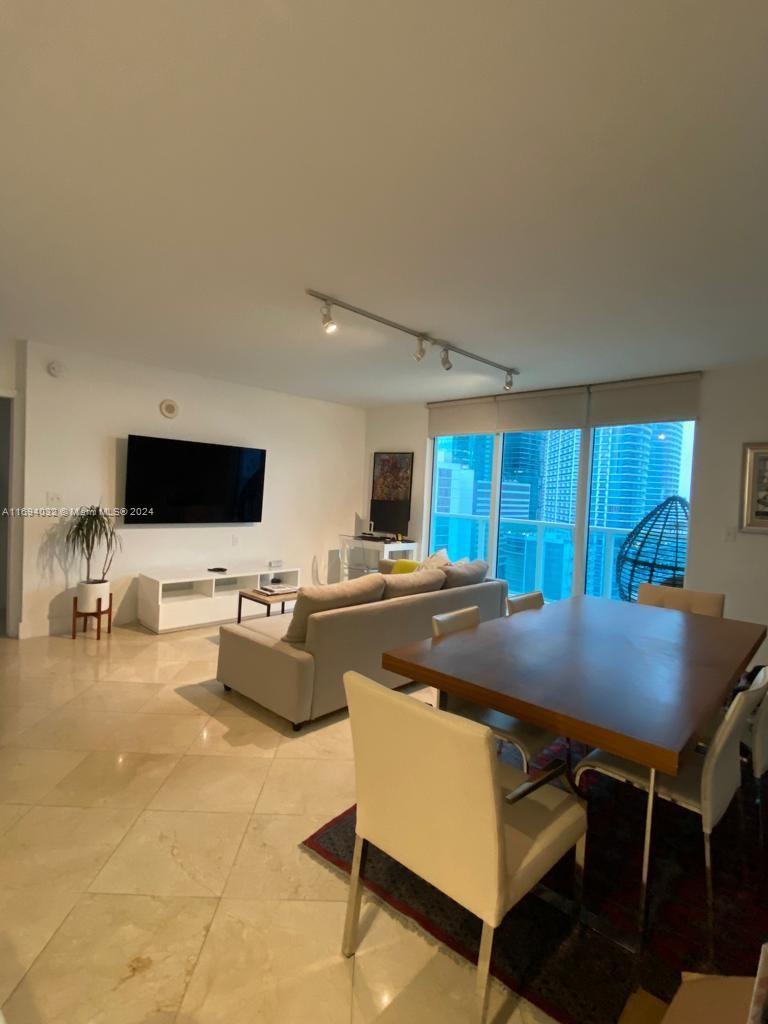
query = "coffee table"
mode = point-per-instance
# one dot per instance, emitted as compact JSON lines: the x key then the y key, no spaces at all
{"x":266,"y":599}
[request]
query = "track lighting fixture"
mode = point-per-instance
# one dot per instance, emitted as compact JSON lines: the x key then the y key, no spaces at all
{"x":329,"y":324}
{"x":423,"y":340}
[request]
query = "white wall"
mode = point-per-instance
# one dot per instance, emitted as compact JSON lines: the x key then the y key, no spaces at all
{"x":399,"y":428}
{"x":734,"y":409}
{"x":75,"y":440}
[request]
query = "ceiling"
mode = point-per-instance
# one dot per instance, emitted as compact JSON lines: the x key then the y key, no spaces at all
{"x":577,"y":189}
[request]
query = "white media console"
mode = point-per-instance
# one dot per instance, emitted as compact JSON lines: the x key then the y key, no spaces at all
{"x":179,"y":598}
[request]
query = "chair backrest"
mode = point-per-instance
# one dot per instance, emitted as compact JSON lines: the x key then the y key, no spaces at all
{"x":700,"y":602}
{"x":759,"y":737}
{"x":525,"y":602}
{"x":452,"y":622}
{"x":428,"y":793}
{"x":758,"y":1008}
{"x":721,"y":776}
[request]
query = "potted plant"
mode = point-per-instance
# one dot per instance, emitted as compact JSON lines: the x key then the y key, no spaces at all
{"x":91,"y":531}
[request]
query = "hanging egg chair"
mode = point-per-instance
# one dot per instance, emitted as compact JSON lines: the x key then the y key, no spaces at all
{"x":655,"y":550}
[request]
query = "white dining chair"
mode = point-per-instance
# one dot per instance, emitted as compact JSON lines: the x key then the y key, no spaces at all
{"x":525,"y":602}
{"x":700,"y":602}
{"x":528,"y":740}
{"x":756,"y":736}
{"x":706,"y":782}
{"x":432,"y":794}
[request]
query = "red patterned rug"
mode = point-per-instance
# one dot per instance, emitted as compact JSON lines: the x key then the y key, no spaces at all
{"x":573,"y":973}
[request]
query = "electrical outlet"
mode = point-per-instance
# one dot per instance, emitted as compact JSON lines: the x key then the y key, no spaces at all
{"x":52,"y":499}
{"x":730,"y":535}
{"x":235,"y":540}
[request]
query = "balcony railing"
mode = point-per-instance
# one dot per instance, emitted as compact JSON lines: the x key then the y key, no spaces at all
{"x":535,"y":568}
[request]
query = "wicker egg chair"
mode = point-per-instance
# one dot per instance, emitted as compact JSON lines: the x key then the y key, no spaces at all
{"x":655,"y":550}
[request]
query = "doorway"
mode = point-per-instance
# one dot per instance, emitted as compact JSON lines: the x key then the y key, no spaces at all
{"x":5,"y":488}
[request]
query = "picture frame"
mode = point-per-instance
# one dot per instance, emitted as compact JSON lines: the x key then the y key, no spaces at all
{"x":391,"y":488}
{"x":754,"y":508}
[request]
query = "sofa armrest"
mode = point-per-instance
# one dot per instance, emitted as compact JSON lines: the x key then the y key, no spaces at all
{"x":273,"y":673}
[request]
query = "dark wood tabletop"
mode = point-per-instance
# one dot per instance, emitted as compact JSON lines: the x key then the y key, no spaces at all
{"x":634,"y":680}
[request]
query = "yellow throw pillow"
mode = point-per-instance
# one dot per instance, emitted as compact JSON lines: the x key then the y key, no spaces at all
{"x":404,"y":565}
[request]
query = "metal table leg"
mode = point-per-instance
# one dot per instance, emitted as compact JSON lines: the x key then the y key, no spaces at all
{"x":647,"y":849}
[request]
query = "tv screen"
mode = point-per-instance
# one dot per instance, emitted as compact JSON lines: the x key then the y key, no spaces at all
{"x":170,"y":481}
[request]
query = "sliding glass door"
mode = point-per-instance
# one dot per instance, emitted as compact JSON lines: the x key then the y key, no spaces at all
{"x":462,"y":480}
{"x":521,"y":502}
{"x":638,"y":471}
{"x":537,"y":511}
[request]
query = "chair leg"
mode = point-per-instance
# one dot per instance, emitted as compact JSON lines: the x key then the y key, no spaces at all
{"x":710,"y":900}
{"x":578,"y":875}
{"x":349,"y":942}
{"x":708,"y":867}
{"x":484,"y":970}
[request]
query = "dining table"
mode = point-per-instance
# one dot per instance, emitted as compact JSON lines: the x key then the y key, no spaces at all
{"x":634,"y":680}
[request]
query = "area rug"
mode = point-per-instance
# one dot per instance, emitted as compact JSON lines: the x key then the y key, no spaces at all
{"x":572,"y":972}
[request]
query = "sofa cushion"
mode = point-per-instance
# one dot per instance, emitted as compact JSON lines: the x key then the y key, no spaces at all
{"x":413,"y":583}
{"x":333,"y":595}
{"x":466,"y":574}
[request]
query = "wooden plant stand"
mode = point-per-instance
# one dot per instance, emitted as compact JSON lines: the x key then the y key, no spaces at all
{"x":91,"y":615}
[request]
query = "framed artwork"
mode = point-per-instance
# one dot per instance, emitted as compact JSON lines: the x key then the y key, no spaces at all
{"x":392,"y":476}
{"x":391,"y":492}
{"x":754,"y":513}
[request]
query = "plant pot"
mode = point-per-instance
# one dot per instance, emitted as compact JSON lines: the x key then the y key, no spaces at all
{"x":89,"y":592}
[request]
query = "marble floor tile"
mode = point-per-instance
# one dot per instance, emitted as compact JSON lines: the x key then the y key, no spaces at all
{"x":404,"y":977}
{"x":271,"y":864}
{"x":273,"y":962}
{"x":183,"y":699}
{"x":112,"y":779}
{"x":20,"y":688}
{"x":236,"y":735}
{"x":115,"y":960}
{"x":28,"y":918}
{"x":212,"y":784}
{"x":14,"y":721}
{"x":10,"y":813}
{"x":71,"y":729}
{"x":155,"y":734}
{"x":304,"y":786}
{"x":326,"y":739}
{"x":61,"y":847}
{"x":107,"y":696}
{"x":174,"y":853}
{"x":27,"y":775}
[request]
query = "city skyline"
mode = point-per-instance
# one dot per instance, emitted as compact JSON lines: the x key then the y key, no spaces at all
{"x":634,"y":467}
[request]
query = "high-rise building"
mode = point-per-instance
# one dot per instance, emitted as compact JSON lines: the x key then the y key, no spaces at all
{"x":633,"y":469}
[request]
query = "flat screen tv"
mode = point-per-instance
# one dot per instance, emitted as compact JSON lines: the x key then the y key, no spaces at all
{"x":170,"y":481}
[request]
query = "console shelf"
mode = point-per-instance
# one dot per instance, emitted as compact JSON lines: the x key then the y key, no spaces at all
{"x":181,"y":598}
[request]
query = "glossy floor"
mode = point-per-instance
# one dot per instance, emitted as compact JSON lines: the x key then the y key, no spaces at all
{"x":149,"y":861}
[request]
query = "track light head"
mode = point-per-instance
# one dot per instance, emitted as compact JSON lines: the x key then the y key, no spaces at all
{"x":329,"y":324}
{"x":445,"y":359}
{"x":508,"y":381}
{"x":421,"y":349}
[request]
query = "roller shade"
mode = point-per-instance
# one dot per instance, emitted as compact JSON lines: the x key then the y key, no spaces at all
{"x":557,"y":409}
{"x":473,"y":416}
{"x":646,"y":400}
{"x":649,"y":400}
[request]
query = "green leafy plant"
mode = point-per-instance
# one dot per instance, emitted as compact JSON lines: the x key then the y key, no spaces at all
{"x":90,"y":530}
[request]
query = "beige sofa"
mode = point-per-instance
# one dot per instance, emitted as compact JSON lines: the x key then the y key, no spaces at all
{"x":302,"y":681}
